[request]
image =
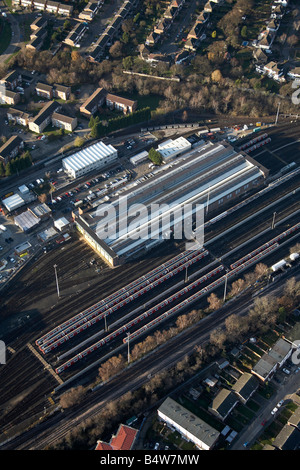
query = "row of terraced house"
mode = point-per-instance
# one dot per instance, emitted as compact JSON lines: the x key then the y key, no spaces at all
{"x":45,"y":5}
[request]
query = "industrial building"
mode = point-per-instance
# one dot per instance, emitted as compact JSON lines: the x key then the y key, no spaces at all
{"x":172,"y":148}
{"x":95,"y":157}
{"x":210,"y":175}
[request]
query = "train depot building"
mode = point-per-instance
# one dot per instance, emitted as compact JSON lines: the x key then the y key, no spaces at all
{"x":212,"y":175}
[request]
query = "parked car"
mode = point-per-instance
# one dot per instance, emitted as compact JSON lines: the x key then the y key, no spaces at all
{"x":286,"y":371}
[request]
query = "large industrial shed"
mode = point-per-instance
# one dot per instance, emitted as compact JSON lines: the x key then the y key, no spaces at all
{"x":13,"y":202}
{"x":95,"y":157}
{"x":211,"y":175}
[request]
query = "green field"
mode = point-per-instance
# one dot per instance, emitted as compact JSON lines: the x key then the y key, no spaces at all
{"x":5,"y":35}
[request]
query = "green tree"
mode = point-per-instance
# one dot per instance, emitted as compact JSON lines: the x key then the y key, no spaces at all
{"x":155,"y":156}
{"x":244,"y":32}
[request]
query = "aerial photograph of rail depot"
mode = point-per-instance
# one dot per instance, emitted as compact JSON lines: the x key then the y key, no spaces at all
{"x":149,"y":227}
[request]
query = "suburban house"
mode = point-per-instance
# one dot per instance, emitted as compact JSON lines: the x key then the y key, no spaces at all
{"x":61,"y":91}
{"x":187,"y":424}
{"x":35,"y":44}
{"x":39,"y":22}
{"x":39,"y":4}
{"x":65,"y":10}
{"x":287,"y":439}
{"x":43,"y":118}
{"x":223,"y":404}
{"x":75,"y":35}
{"x":55,"y":91}
{"x":44,"y":90}
{"x":52,"y":7}
{"x":121,"y":104}
{"x":12,"y":80}
{"x":93,"y":103}
{"x":8,"y":96}
{"x":18,"y":117}
{"x":123,"y":440}
{"x":11,"y":148}
{"x":245,"y":387}
{"x":40,"y":33}
{"x":272,"y":360}
{"x":89,"y":11}
{"x":273,"y":70}
{"x":64,"y":122}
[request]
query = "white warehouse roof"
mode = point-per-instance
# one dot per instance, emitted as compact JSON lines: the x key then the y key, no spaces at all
{"x":13,"y":202}
{"x":139,"y":158}
{"x":171,"y":148}
{"x":61,"y":223}
{"x":88,"y":157}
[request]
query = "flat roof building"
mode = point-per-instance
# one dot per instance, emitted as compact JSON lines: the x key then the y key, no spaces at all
{"x":95,"y":157}
{"x":273,"y":359}
{"x":188,"y":424}
{"x":13,"y":202}
{"x":27,"y":221}
{"x":211,"y":174}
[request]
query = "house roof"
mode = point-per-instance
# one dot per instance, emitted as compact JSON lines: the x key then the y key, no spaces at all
{"x":94,"y":98}
{"x":46,"y":111}
{"x":223,"y":402}
{"x":188,"y":421}
{"x":287,"y":439}
{"x":11,"y":76}
{"x":245,"y":385}
{"x":43,"y":87}
{"x":123,"y":440}
{"x":63,"y":117}
{"x":13,"y":142}
{"x":119,"y":99}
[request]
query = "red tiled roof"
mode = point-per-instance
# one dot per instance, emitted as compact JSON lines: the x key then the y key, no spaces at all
{"x":124,"y":438}
{"x":103,"y":446}
{"x":122,"y":441}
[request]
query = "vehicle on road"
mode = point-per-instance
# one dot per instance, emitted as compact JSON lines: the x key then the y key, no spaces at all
{"x":274,"y":411}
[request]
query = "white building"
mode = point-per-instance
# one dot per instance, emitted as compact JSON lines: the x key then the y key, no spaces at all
{"x":139,"y":158}
{"x":172,"y":148}
{"x":13,"y":202}
{"x":95,"y":157}
{"x":188,"y":425}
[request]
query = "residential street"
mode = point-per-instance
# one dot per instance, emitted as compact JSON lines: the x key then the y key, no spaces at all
{"x":286,"y":390}
{"x":16,"y":35}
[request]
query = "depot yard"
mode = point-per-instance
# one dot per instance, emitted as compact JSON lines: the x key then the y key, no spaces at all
{"x":31,"y":305}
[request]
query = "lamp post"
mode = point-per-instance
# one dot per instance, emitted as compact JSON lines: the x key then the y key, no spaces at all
{"x":128,"y":352}
{"x":57,"y":287}
{"x":273,"y":221}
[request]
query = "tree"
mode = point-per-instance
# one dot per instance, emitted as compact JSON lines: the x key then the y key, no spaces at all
{"x":244,"y":32}
{"x":79,"y":141}
{"x":214,"y":302}
{"x":155,"y":156}
{"x":72,"y":397}
{"x":116,"y":50}
{"x":217,"y":76}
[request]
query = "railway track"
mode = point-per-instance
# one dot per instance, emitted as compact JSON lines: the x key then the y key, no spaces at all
{"x":68,"y":305}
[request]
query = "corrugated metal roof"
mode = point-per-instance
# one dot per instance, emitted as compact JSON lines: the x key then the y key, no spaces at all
{"x":88,"y":156}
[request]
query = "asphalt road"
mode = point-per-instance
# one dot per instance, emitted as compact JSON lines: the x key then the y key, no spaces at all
{"x":16,"y":34}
